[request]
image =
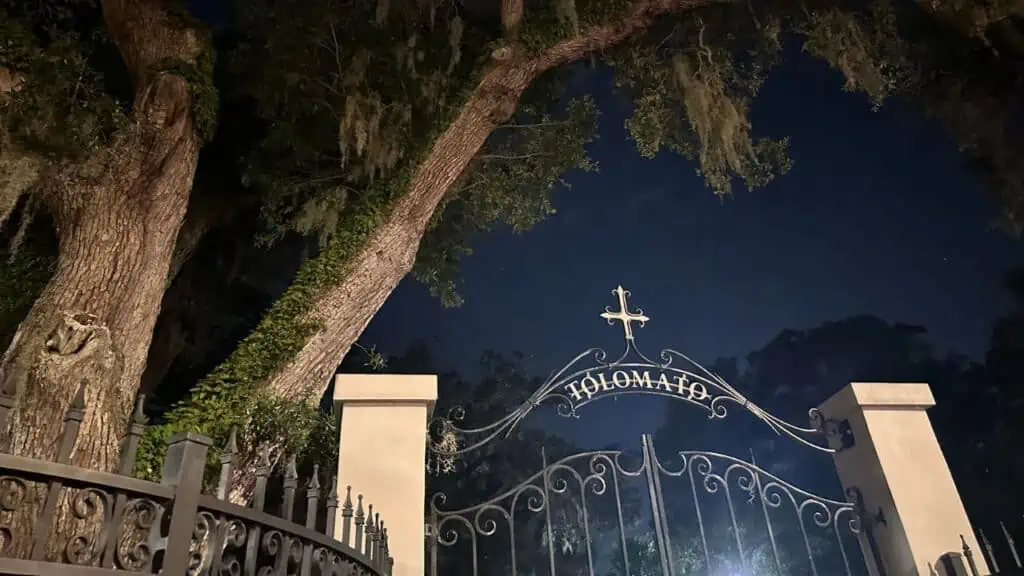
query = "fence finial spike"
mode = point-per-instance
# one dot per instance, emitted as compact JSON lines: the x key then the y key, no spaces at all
{"x":265,"y":456}
{"x":348,"y":496}
{"x":139,"y":416}
{"x":79,"y":401}
{"x":232,"y":445}
{"x":291,"y":470}
{"x":314,"y":482}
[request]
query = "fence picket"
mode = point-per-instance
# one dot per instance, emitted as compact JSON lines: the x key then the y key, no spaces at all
{"x":205,"y":535}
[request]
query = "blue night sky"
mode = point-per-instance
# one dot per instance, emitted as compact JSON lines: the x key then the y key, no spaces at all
{"x":878,"y":216}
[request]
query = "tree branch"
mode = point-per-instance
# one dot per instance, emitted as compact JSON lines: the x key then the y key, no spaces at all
{"x":511,"y":16}
{"x":344,"y":310}
{"x":146,"y":34}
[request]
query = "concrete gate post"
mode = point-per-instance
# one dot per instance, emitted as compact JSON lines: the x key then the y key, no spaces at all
{"x":887,"y":452}
{"x":382,"y":455}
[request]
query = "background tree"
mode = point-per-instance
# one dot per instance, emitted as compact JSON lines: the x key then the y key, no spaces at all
{"x":976,"y":416}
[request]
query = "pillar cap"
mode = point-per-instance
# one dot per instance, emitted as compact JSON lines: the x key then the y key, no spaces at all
{"x":879,"y":396}
{"x":385,"y":388}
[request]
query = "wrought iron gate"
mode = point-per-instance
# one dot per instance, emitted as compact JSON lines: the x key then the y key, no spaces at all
{"x":631,"y":513}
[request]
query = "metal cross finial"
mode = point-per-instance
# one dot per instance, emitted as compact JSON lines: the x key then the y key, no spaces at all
{"x":624,"y":315}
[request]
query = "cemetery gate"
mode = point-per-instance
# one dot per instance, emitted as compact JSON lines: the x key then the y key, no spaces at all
{"x":637,"y":512}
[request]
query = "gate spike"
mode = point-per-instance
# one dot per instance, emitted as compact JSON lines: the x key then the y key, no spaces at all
{"x":139,"y":416}
{"x":987,"y":551}
{"x":1011,"y":544}
{"x":79,"y":401}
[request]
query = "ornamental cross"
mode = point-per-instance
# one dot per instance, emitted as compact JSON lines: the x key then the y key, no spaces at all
{"x":624,"y":315}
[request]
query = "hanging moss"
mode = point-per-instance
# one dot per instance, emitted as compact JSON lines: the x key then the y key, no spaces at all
{"x":544,"y":26}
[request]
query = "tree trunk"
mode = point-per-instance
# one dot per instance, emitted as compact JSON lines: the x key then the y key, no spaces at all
{"x":117,"y":217}
{"x":346,"y":309}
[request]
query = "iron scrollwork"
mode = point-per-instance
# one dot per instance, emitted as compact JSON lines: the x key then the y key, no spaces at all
{"x":12,"y":493}
{"x":596,"y":473}
{"x":760,"y":486}
{"x":590,"y":377}
{"x":134,"y":551}
{"x":94,"y":507}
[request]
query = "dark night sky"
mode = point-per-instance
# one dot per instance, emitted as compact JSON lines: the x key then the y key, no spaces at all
{"x":878,"y":216}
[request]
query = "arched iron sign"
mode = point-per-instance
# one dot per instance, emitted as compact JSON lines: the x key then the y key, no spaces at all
{"x":590,"y":377}
{"x":751,"y":493}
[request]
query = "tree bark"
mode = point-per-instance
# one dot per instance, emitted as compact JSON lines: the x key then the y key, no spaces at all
{"x":117,"y":216}
{"x":346,"y":309}
{"x":511,"y":16}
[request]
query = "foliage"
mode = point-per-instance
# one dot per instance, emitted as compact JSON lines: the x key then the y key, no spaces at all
{"x":511,"y":182}
{"x":867,"y":48}
{"x":63,"y":108}
{"x":977,"y":414}
{"x":201,"y":88}
{"x":691,"y":96}
{"x":65,"y":105}
{"x":73,"y":90}
{"x":23,"y":273}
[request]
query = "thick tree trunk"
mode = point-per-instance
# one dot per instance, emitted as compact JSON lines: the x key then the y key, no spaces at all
{"x":117,"y":216}
{"x":94,"y":320}
{"x":345,"y":310}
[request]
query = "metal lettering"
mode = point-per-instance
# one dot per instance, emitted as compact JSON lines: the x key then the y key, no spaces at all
{"x":621,"y":379}
{"x":698,"y":391}
{"x":642,"y":381}
{"x":681,"y":387}
{"x":573,"y":392}
{"x":589,"y":388}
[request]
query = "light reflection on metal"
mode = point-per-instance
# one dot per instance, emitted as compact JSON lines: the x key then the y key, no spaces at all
{"x":590,"y":377}
{"x":593,"y":478}
{"x":1011,"y":544}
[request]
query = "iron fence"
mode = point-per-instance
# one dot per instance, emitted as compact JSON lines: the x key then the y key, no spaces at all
{"x":56,"y":518}
{"x":1000,"y":552}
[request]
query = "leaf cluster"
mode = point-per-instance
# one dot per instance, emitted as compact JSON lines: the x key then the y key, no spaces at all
{"x":509,"y":182}
{"x":691,"y":82}
{"x":359,"y":85}
{"x":68,"y":104}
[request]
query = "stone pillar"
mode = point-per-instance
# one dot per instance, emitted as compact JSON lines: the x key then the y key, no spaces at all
{"x":912,"y":506}
{"x":382,"y":455}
